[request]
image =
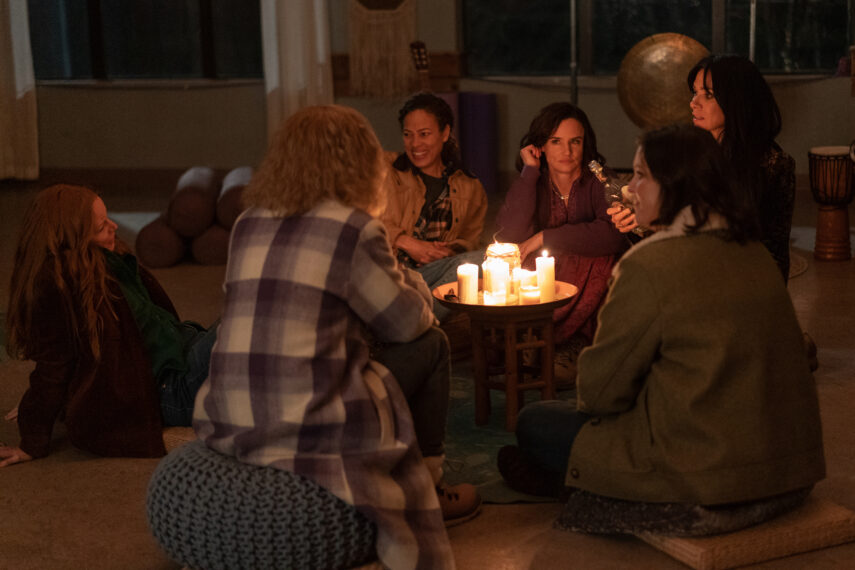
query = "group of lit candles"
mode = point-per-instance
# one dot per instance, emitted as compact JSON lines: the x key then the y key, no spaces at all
{"x":505,"y":282}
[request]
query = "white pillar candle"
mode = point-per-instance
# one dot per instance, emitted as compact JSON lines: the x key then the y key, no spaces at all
{"x":516,"y":280}
{"x":467,"y":283}
{"x":546,"y":277}
{"x":529,"y":295}
{"x":528,"y":277}
{"x":488,"y":276}
{"x":500,"y":277}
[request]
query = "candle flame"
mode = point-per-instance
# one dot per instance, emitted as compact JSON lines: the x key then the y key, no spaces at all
{"x":544,"y":253}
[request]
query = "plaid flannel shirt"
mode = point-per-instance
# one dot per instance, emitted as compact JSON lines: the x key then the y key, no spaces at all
{"x":292,"y":386}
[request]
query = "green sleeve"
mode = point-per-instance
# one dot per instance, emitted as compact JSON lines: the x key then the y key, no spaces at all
{"x":613,"y":370}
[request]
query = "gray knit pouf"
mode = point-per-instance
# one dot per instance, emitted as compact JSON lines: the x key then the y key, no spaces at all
{"x":211,"y":511}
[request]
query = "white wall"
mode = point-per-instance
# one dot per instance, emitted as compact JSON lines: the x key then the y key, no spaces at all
{"x":816,"y":112}
{"x":151,"y":125}
{"x":224,"y":126}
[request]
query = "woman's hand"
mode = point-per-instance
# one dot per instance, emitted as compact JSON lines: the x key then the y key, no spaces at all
{"x":12,"y":455}
{"x":530,"y":155}
{"x":11,"y":414}
{"x":530,"y":245}
{"x":623,"y":218}
{"x":423,"y":252}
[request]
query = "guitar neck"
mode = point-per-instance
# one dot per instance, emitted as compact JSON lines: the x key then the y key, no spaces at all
{"x":418,"y":50}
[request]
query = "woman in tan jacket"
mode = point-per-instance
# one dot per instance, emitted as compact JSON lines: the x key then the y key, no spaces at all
{"x":435,"y":209}
{"x":696,"y":396}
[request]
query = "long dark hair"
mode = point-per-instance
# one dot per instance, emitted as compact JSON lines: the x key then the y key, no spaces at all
{"x":692,"y":170}
{"x":752,"y":118}
{"x":441,"y":111}
{"x":545,"y":123}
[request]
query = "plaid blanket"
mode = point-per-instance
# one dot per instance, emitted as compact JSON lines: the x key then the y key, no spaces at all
{"x":292,"y":386}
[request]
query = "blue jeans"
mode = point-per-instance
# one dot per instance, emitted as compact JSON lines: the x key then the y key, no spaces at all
{"x":444,"y":271}
{"x":546,"y":430}
{"x":178,"y":391}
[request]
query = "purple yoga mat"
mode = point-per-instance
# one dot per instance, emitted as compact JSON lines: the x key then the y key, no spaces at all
{"x":478,"y":137}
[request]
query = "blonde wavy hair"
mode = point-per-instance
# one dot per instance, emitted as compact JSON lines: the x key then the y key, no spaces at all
{"x":56,"y":243}
{"x":320,"y":153}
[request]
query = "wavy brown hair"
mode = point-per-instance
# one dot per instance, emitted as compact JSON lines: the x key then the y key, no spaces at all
{"x":547,"y":121}
{"x":56,"y":244}
{"x":319,"y":153}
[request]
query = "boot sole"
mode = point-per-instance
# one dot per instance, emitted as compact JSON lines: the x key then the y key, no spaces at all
{"x":464,"y":518}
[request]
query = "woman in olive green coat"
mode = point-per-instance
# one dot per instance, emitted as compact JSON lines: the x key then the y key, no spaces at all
{"x":696,"y":390}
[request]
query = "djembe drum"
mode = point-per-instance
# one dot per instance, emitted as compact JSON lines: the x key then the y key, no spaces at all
{"x":831,"y":182}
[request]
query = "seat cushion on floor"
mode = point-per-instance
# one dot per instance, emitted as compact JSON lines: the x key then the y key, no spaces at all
{"x":229,"y":204}
{"x":158,"y":245}
{"x":193,"y":205}
{"x":596,"y":514}
{"x":818,"y":523}
{"x":208,"y":510}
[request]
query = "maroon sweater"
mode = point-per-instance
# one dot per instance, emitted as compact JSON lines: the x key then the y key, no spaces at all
{"x":526,"y":212}
{"x":110,"y":407}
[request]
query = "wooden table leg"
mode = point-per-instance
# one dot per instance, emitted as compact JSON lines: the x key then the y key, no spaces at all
{"x":479,"y":374}
{"x":547,"y":361}
{"x":512,"y":393}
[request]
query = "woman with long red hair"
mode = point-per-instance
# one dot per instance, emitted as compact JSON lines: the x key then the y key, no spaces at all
{"x":112,"y":358}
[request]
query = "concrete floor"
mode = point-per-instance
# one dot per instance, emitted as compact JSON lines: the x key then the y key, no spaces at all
{"x":72,"y":510}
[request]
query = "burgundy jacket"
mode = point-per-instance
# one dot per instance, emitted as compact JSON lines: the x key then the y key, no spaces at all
{"x":110,"y":407}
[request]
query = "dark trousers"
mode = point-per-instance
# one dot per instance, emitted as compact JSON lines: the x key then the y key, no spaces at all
{"x":178,"y":390}
{"x":423,"y":370}
{"x":546,"y":430}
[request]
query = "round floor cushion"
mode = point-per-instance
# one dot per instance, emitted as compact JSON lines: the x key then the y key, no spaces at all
{"x":158,"y":245}
{"x":210,"y":511}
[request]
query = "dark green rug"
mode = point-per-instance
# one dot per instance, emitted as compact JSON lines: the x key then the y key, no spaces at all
{"x":471,"y":450}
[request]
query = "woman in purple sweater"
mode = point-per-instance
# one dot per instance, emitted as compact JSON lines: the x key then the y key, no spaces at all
{"x":558,"y":205}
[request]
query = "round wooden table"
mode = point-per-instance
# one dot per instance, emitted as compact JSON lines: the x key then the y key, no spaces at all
{"x":498,"y":327}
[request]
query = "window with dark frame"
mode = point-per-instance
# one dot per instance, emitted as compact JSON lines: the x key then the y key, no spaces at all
{"x":525,"y":38}
{"x":221,"y":39}
{"x":145,"y":39}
